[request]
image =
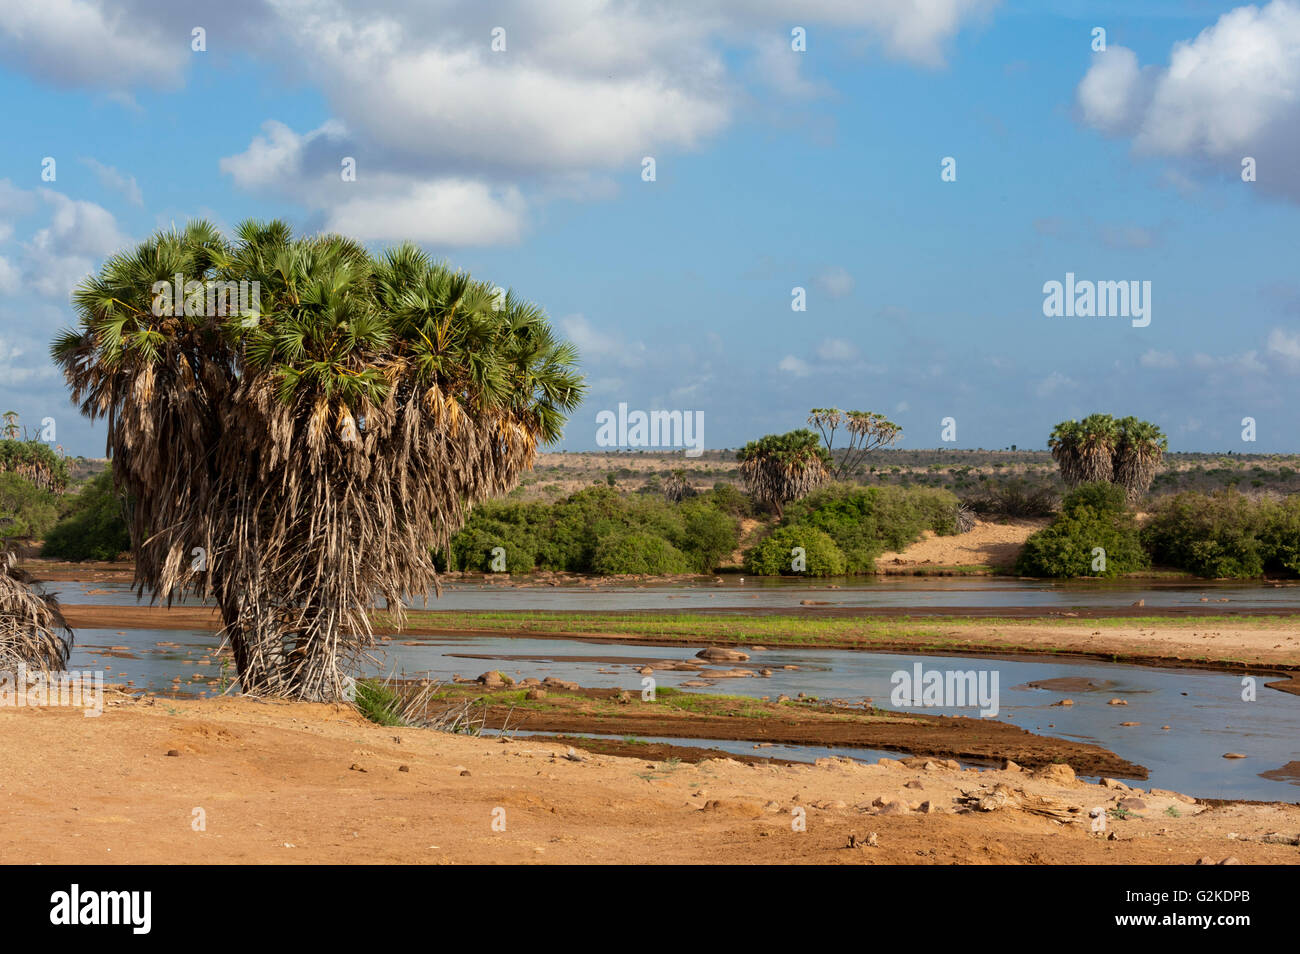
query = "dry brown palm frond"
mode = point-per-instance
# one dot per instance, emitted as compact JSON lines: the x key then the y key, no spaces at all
{"x":33,"y":632}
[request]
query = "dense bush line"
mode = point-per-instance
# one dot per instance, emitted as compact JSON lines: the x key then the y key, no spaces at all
{"x":1225,"y":534}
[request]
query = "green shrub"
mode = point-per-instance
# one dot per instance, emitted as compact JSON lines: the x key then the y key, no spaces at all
{"x":731,"y":500}
{"x":472,"y":548}
{"x":638,"y":552}
{"x":773,"y":555}
{"x":1098,"y":496}
{"x":27,"y":512}
{"x":708,"y":535}
{"x":864,"y":522}
{"x":1014,"y":497}
{"x":1225,"y":534}
{"x":93,"y":526}
{"x":1093,"y":515}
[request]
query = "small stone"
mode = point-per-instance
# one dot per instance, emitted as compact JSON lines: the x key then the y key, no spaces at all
{"x":1279,"y":838}
{"x":1117,"y":702}
{"x":403,"y":768}
{"x":914,"y":783}
{"x":1064,"y":702}
{"x":464,"y":772}
{"x":173,"y":753}
{"x":1233,"y":755}
{"x":535,"y":694}
{"x":1057,"y":772}
{"x":1230,"y":860}
{"x":1130,"y":723}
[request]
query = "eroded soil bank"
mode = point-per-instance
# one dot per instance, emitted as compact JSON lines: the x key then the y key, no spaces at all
{"x":689,"y":715}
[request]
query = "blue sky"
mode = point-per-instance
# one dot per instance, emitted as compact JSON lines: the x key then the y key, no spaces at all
{"x":774,"y":169}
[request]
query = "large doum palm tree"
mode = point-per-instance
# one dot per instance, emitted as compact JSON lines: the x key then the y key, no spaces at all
{"x":296,"y":458}
{"x":1139,"y":449}
{"x":782,"y":467}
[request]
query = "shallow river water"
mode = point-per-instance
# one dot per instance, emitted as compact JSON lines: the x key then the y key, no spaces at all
{"x":928,"y":593}
{"x":1205,"y":710}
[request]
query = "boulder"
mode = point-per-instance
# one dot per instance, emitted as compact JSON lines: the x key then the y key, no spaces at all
{"x":718,"y":654}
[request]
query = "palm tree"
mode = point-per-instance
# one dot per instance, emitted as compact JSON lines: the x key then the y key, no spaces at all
{"x":867,"y":431}
{"x":37,"y":462}
{"x":1085,"y":450}
{"x":32,"y":629}
{"x":1138,"y":451}
{"x":783,"y":467}
{"x":300,"y":464}
{"x":1064,"y":443}
{"x":11,"y":429}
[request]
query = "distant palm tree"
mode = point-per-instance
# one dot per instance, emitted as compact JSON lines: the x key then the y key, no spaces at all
{"x":11,"y":429}
{"x":867,"y":431}
{"x":1138,"y":452}
{"x":783,"y":467}
{"x":299,"y":463}
{"x":36,"y":461}
{"x":1085,"y":450}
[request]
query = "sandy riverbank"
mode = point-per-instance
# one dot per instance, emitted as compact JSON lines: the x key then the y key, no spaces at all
{"x":317,"y":784}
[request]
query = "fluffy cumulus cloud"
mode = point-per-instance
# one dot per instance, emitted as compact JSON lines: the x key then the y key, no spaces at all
{"x":1284,"y":346}
{"x":77,"y":237}
{"x":1232,"y":91}
{"x":468,"y":114}
{"x":92,"y":43}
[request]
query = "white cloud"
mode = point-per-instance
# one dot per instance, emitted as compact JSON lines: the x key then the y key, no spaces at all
{"x":10,"y":276}
{"x":837,"y":349}
{"x":598,"y":345}
{"x":79,"y":236}
{"x":110,"y":178}
{"x":89,"y":43}
{"x":836,"y":282}
{"x":1053,"y":384}
{"x":582,"y":92}
{"x":1158,"y":359}
{"x":1232,"y":91}
{"x":19,"y":366}
{"x":447,"y":212}
{"x":796,"y":366}
{"x":1285,"y":346}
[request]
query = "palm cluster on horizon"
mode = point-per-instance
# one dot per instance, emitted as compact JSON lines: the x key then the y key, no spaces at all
{"x":1101,"y":448}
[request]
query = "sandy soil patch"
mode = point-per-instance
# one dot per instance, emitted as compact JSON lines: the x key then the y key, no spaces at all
{"x":987,"y":544}
{"x":277,"y":783}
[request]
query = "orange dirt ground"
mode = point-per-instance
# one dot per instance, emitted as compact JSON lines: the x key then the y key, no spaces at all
{"x":276,"y":782}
